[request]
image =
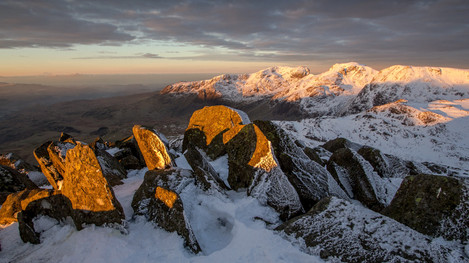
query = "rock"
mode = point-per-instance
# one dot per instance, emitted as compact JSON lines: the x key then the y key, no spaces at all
{"x":12,"y":181}
{"x":207,"y":125}
{"x":64,"y":137}
{"x":206,"y":177}
{"x":130,"y":162}
{"x":57,"y":154}
{"x":112,"y":170}
{"x":252,"y":165}
{"x":338,"y":230}
{"x":153,"y":147}
{"x":98,"y":143}
{"x":357,"y":178}
{"x":50,"y":206}
{"x":16,"y":202}
{"x":433,"y":205}
{"x":340,"y":143}
{"x":47,"y":167}
{"x":159,"y":200}
{"x":91,"y":196}
{"x":313,"y":155}
{"x":309,"y":179}
{"x":14,"y":161}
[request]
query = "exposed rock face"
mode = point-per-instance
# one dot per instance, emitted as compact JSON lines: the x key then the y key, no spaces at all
{"x":16,"y":202}
{"x":153,"y":148}
{"x":308,"y":178}
{"x":90,"y":194}
{"x":129,"y":154}
{"x":57,"y":154}
{"x":252,"y":165}
{"x":14,"y":161}
{"x":64,"y":137}
{"x":356,"y":177}
{"x":12,"y":181}
{"x":113,"y":171}
{"x":158,"y":199}
{"x":206,"y":177}
{"x":433,"y":205}
{"x":47,"y":167}
{"x":207,"y":125}
{"x":338,"y":229}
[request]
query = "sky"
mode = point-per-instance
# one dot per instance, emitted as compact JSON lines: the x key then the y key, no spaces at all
{"x":61,"y":37}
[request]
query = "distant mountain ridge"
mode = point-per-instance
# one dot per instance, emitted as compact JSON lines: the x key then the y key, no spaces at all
{"x":344,"y":89}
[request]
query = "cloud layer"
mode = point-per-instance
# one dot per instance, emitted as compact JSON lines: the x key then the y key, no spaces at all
{"x":265,"y":30}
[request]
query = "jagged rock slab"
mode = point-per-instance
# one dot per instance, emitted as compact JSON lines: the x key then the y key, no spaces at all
{"x":307,"y":177}
{"x":433,"y":205}
{"x":57,"y":154}
{"x":207,"y":125}
{"x":252,"y":165}
{"x":12,"y":181}
{"x":113,"y":171}
{"x":92,"y":198}
{"x":16,"y":202}
{"x":206,"y":177}
{"x":158,"y":199}
{"x":129,"y":154}
{"x":153,"y":147}
{"x":47,"y":167}
{"x":338,"y":230}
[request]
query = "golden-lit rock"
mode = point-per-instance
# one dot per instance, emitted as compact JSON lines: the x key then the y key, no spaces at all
{"x":168,"y":197}
{"x":90,"y":194}
{"x":17,"y":202}
{"x":57,"y":154}
{"x":47,"y":167}
{"x":12,"y":181}
{"x":152,"y":147}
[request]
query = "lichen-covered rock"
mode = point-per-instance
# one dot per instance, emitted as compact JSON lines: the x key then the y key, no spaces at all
{"x":252,"y":165}
{"x":52,"y":205}
{"x":16,"y":202}
{"x":206,"y":177}
{"x":47,"y":167}
{"x":57,"y":154}
{"x":153,"y":148}
{"x":159,"y":200}
{"x":113,"y":171}
{"x":308,"y":178}
{"x":433,"y":205}
{"x":12,"y":181}
{"x":338,"y":230}
{"x":357,"y":177}
{"x":91,"y":196}
{"x":207,"y":125}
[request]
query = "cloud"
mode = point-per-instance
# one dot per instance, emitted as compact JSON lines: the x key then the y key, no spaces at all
{"x":136,"y":56}
{"x":289,"y":30}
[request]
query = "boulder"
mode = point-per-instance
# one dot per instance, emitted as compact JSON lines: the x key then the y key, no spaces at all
{"x":12,"y":181}
{"x":153,"y":147}
{"x":309,"y":179}
{"x":49,"y":206}
{"x":64,"y":137}
{"x":91,"y":197}
{"x":47,"y":167}
{"x":206,"y":177}
{"x":433,"y":205}
{"x":129,"y":154}
{"x":98,"y":144}
{"x":356,"y":176}
{"x":340,"y":143}
{"x":112,"y":170}
{"x":207,"y":125}
{"x":159,"y":200}
{"x":57,"y":154}
{"x":16,"y":202}
{"x":252,"y":165}
{"x":14,"y":161}
{"x":338,"y":230}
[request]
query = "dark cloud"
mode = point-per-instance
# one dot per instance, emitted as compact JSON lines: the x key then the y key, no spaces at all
{"x":136,"y":56}
{"x":269,"y":30}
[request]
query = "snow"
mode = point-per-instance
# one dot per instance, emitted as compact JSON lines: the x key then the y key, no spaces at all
{"x":220,"y":165}
{"x":113,"y":151}
{"x":229,"y":230}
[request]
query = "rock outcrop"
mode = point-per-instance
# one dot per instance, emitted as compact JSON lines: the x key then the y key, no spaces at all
{"x":129,"y":154}
{"x":47,"y":167}
{"x":153,"y":147}
{"x":159,"y":200}
{"x":12,"y":181}
{"x":113,"y":171}
{"x":337,"y":229}
{"x":91,"y":196}
{"x":57,"y":153}
{"x":16,"y":202}
{"x":433,"y":205}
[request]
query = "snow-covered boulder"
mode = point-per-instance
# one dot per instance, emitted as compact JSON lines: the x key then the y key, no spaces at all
{"x":47,"y":167}
{"x":207,"y":125}
{"x":433,"y":205}
{"x":205,"y":175}
{"x":12,"y":181}
{"x":159,"y":200}
{"x":91,"y":196}
{"x":252,"y":165}
{"x":338,"y":230}
{"x":153,"y":147}
{"x":309,"y":179}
